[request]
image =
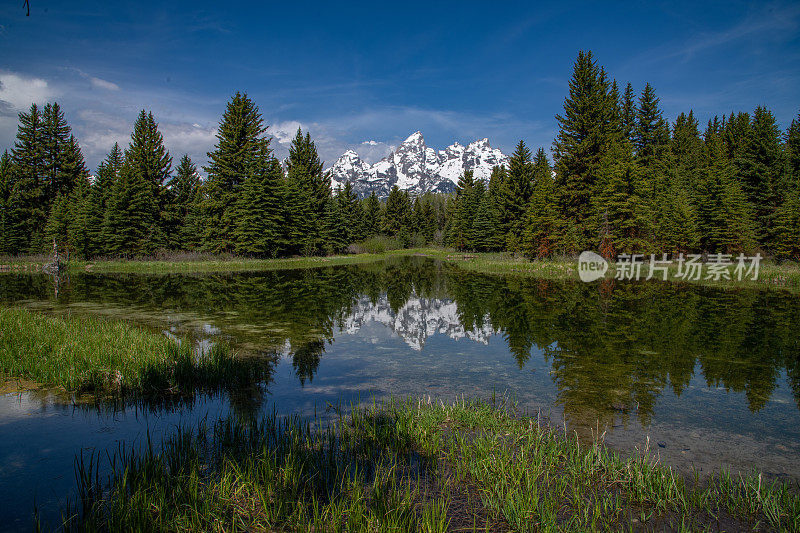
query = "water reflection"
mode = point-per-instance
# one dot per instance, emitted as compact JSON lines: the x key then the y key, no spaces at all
{"x":612,"y":347}
{"x":714,"y":376}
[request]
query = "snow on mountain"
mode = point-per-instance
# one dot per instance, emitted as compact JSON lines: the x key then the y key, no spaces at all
{"x":416,"y":168}
{"x":417,"y":320}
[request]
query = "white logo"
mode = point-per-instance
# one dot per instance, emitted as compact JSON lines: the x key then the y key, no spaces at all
{"x":591,"y":266}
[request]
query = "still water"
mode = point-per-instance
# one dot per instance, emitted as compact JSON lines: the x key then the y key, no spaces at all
{"x":709,"y":378}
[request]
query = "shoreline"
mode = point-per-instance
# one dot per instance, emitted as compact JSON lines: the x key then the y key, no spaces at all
{"x":772,"y":276}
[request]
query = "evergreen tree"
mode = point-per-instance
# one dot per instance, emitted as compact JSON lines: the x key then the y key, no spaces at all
{"x":628,"y":113}
{"x":792,"y":147}
{"x":352,"y":214}
{"x":398,"y":212}
{"x":724,"y":218}
{"x":620,"y":206}
{"x":541,"y":235}
{"x":651,"y":133}
{"x":148,"y":158}
{"x":761,"y":170}
{"x":97,"y":201}
{"x":494,"y":198}
{"x":310,"y":190}
{"x":259,"y":211}
{"x":28,"y":210}
{"x":236,"y":156}
{"x":687,"y":150}
{"x":588,"y":128}
{"x":515,"y":192}
{"x":6,"y":183}
{"x":182,"y":190}
{"x":372,"y":215}
{"x":786,"y":228}
{"x":336,"y":235}
{"x":131,"y":214}
{"x":56,"y":135}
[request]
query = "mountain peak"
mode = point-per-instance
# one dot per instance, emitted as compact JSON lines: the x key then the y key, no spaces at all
{"x":414,"y":138}
{"x":416,"y":168}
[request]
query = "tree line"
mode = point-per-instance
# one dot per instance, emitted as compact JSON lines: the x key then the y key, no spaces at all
{"x":622,"y":179}
{"x":625,"y":180}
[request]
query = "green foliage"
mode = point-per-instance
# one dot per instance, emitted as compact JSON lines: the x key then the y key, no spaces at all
{"x":589,"y":128}
{"x":131,"y":215}
{"x":238,"y":154}
{"x":398,"y":212}
{"x":541,"y":235}
{"x":309,"y":195}
{"x":258,"y":210}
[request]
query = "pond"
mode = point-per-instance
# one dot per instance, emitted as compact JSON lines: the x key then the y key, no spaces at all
{"x":708,"y":379}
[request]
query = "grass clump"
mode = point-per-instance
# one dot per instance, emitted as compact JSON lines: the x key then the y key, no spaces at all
{"x":89,"y":354}
{"x":410,"y":466}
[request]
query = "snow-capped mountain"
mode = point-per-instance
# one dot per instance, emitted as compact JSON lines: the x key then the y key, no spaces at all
{"x":417,"y":320}
{"x":416,"y":168}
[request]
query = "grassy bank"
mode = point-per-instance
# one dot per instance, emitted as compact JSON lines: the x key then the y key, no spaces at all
{"x":87,"y":354}
{"x":771,"y":275}
{"x":409,"y":466}
{"x":188,"y":264}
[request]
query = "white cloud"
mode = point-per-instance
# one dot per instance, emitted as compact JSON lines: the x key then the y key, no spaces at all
{"x":284,"y":132}
{"x":104,"y":84}
{"x":370,"y":143}
{"x":191,"y":139}
{"x":19,"y":92}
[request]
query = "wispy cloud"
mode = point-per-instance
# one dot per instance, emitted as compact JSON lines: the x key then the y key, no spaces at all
{"x":776,"y":21}
{"x":17,"y":92}
{"x":104,"y":84}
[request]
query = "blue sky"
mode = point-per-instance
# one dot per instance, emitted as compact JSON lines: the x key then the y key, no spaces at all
{"x":366,"y":75}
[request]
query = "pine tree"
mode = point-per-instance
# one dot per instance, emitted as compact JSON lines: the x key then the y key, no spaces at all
{"x":235,"y":157}
{"x":131,"y":214}
{"x":6,"y":183}
{"x":589,"y":127}
{"x":541,"y":234}
{"x":97,"y":201}
{"x":651,"y":133}
{"x":259,"y":211}
{"x":372,"y":215}
{"x":515,"y":192}
{"x":28,"y":208}
{"x":620,"y":206}
{"x":335,"y":233}
{"x":56,"y":133}
{"x":687,"y":150}
{"x":494,"y":198}
{"x":786,"y":228}
{"x":149,"y":159}
{"x":761,"y":170}
{"x":792,"y":148}
{"x":398,"y":212}
{"x":352,"y":213}
{"x":724,"y":218}
{"x":310,"y":190}
{"x":464,"y":210}
{"x":182,"y":190}
{"x":628,"y":113}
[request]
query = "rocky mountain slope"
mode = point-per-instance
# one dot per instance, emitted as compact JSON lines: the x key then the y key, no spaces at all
{"x":416,"y":168}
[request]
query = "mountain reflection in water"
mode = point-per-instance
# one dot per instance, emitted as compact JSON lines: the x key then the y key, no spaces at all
{"x":636,"y":359}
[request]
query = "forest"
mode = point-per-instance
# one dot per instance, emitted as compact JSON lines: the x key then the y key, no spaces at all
{"x":621,"y":178}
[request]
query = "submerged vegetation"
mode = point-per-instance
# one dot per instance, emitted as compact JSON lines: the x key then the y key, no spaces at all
{"x":86,"y":354}
{"x":409,"y":466}
{"x":772,"y":275}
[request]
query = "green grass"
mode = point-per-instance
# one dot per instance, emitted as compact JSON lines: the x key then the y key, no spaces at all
{"x":409,"y":466}
{"x":88,"y":354}
{"x":772,"y":275}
